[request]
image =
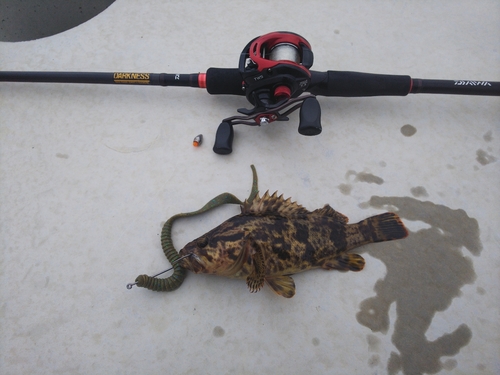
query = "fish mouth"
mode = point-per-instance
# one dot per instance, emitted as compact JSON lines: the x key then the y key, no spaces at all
{"x":193,"y":263}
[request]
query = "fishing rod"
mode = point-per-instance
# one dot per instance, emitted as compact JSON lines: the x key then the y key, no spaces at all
{"x":273,"y":73}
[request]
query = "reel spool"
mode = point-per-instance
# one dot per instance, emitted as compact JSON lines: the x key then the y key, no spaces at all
{"x":275,"y":72}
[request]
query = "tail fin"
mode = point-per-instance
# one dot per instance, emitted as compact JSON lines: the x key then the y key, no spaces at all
{"x":384,"y":227}
{"x":387,"y":227}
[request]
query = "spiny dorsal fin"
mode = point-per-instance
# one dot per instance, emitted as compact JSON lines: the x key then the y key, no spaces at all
{"x":328,"y":211}
{"x":273,"y":205}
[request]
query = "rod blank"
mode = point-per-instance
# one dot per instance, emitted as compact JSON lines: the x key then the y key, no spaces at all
{"x":458,"y":87}
{"x":120,"y":78}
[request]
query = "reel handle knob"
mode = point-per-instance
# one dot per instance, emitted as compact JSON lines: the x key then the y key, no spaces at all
{"x":224,"y":139}
{"x":310,"y":117}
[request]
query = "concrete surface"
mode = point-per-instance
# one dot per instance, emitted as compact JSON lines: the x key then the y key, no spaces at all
{"x":89,"y":173}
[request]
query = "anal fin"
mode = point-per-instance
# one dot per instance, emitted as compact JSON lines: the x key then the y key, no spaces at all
{"x":282,"y":285}
{"x":345,"y":262}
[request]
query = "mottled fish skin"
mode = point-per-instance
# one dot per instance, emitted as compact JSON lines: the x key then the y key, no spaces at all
{"x":273,"y":238}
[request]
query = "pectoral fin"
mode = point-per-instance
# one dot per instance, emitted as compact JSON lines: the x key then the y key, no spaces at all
{"x":345,"y":262}
{"x":255,"y":281}
{"x":282,"y":285}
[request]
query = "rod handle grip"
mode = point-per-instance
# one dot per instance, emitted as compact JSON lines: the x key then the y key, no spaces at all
{"x":356,"y":84}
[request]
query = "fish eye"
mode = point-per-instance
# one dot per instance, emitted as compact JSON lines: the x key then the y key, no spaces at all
{"x":202,"y":242}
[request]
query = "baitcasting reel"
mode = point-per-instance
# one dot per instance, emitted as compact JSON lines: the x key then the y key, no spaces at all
{"x":275,"y":72}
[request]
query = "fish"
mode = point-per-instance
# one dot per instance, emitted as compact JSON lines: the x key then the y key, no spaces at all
{"x":274,"y":238}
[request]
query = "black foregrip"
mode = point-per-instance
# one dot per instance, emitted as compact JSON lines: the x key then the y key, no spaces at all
{"x":221,"y":81}
{"x":350,"y":84}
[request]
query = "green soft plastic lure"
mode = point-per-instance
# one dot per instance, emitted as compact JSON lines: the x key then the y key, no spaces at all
{"x":176,"y":279}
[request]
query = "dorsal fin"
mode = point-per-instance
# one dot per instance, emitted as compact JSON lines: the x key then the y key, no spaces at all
{"x":273,"y":205}
{"x":328,"y":211}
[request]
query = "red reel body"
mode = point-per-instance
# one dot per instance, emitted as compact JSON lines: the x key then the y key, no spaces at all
{"x":275,"y":67}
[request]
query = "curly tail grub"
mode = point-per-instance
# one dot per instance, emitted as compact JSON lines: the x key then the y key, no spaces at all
{"x":175,"y":280}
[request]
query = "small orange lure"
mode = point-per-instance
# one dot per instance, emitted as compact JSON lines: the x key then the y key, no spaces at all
{"x":197,"y":140}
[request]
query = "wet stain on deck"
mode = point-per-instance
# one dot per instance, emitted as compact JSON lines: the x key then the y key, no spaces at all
{"x":425,"y":272}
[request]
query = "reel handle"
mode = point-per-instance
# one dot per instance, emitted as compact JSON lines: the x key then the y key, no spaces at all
{"x":310,"y":117}
{"x":224,"y":139}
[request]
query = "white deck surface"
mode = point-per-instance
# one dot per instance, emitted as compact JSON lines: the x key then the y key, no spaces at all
{"x":89,"y":173}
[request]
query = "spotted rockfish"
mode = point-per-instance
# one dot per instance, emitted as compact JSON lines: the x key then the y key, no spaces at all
{"x":274,"y":238}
